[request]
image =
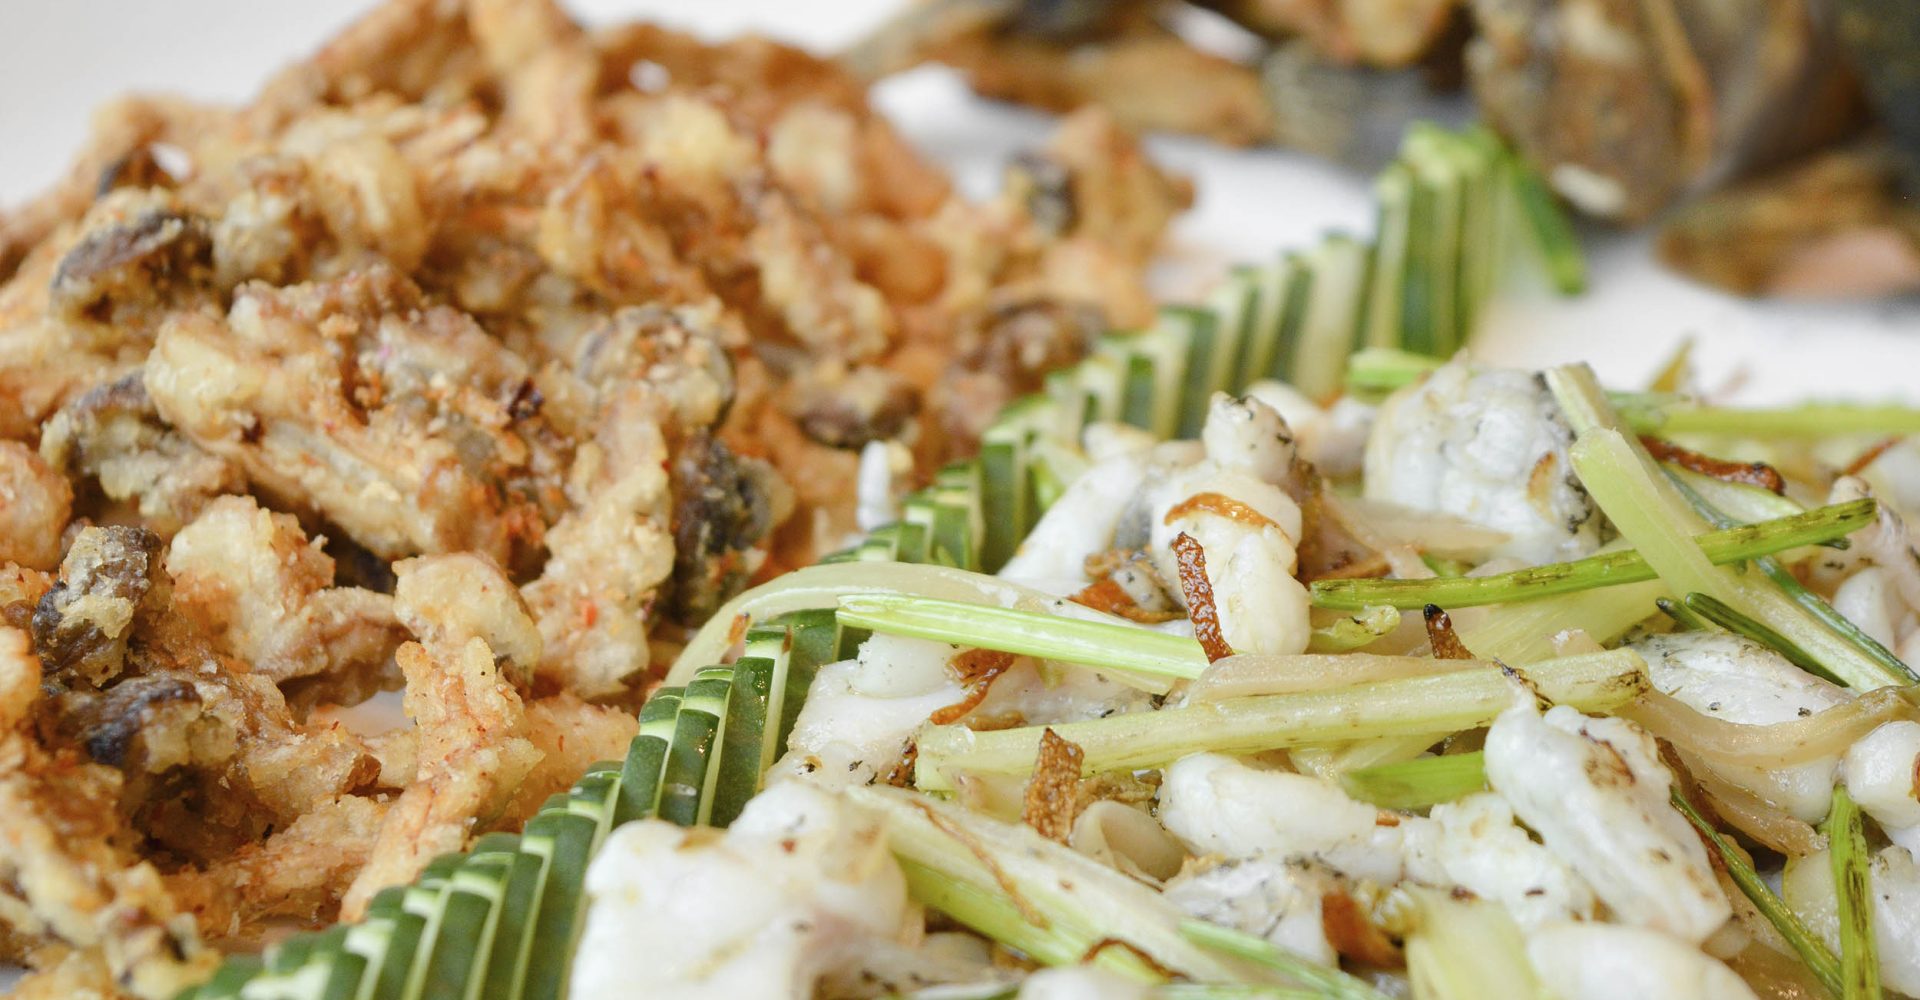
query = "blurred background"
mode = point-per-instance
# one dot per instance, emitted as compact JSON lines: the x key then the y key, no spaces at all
{"x":1827,"y":248}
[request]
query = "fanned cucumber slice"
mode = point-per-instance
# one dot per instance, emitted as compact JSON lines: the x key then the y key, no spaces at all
{"x":1439,"y":175}
{"x":1206,"y":343}
{"x":510,"y":963}
{"x":957,"y":521}
{"x":646,"y":760}
{"x":1393,"y":191}
{"x":1552,"y":235}
{"x":427,"y":900}
{"x":1332,"y":310}
{"x":1232,"y":307}
{"x":232,"y":977}
{"x":1007,"y":502}
{"x":744,"y":739}
{"x":586,"y":819}
{"x":307,"y":967}
{"x":1298,"y":270}
{"x":470,"y":919}
{"x":695,"y":728}
{"x":818,"y":639}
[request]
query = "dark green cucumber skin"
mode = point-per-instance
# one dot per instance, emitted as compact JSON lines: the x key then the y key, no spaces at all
{"x":467,"y":924}
{"x":743,"y":737}
{"x":1203,"y":337}
{"x":564,"y":903}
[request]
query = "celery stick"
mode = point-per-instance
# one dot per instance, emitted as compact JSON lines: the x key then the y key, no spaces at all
{"x":1027,"y":633}
{"x":1384,"y":369}
{"x":1325,"y":981}
{"x":1652,"y":515}
{"x":1046,"y":899}
{"x":1731,"y":544}
{"x":1436,"y":705}
{"x":1354,"y":631}
{"x":1417,"y":784}
{"x":1523,"y":633}
{"x":1852,"y":882}
{"x":1791,"y":586}
{"x":1804,"y":420}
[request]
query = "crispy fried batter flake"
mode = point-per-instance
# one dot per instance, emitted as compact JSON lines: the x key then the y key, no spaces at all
{"x":1440,"y":635}
{"x":1222,"y":505}
{"x":64,"y":872}
{"x":1199,"y":594}
{"x":1353,"y":935}
{"x":978,"y":668}
{"x":1108,"y":596}
{"x":1746,"y":473}
{"x":1053,"y":799}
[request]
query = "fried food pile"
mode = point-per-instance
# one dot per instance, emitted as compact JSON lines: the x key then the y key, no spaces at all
{"x":480,"y":354}
{"x":1627,"y":109}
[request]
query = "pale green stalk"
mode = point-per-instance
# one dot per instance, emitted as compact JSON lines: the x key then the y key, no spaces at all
{"x":1652,"y":515}
{"x":1853,"y":885}
{"x":1045,"y":899}
{"x":1464,"y":949}
{"x":1027,"y":633}
{"x":1435,"y":705}
{"x":1419,"y":783}
{"x":1725,"y":545}
{"x":1324,"y":981}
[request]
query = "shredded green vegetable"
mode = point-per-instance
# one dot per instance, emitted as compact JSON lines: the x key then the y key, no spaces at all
{"x":1047,"y":900}
{"x":1790,"y":585}
{"x":1027,"y":633}
{"x":1658,"y":521}
{"x":1852,"y":883}
{"x":1323,"y":981}
{"x":1437,"y":705}
{"x":1731,"y":544}
{"x":1813,"y":951}
{"x":1419,"y":783}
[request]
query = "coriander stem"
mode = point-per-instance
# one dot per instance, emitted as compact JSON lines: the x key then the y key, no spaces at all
{"x":1814,"y":952}
{"x":1731,"y":544}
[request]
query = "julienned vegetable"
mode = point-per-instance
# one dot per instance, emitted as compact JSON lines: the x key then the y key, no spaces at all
{"x":1435,"y":705}
{"x":1725,"y":545}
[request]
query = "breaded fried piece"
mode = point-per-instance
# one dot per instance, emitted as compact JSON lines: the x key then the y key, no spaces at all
{"x":446,"y":600}
{"x":470,"y":725}
{"x":298,"y":873}
{"x":112,"y":436}
{"x":472,"y":757}
{"x":394,"y":418}
{"x":571,"y":734}
{"x":61,"y":873}
{"x":211,"y":752}
{"x":34,"y":506}
{"x":262,"y":593}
